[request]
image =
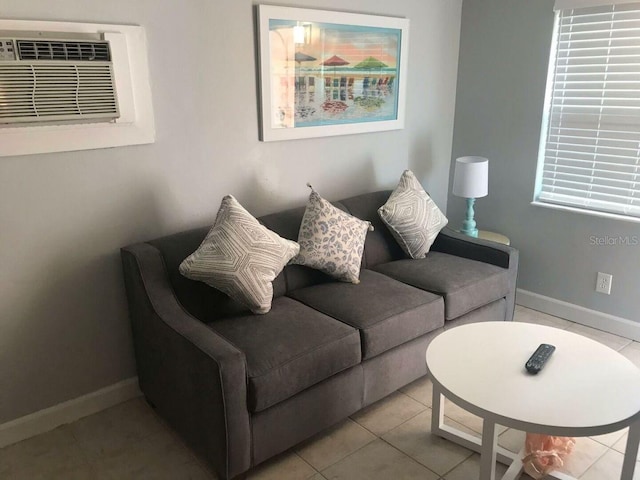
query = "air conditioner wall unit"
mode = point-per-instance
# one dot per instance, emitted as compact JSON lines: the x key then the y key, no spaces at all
{"x":56,"y":78}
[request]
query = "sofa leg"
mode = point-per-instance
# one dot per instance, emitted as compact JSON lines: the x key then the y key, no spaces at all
{"x":151,"y":404}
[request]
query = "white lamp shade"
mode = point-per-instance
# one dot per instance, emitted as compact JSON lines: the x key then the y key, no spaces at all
{"x":471,"y":177}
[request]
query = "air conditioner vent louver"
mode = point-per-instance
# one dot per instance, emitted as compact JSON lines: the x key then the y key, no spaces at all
{"x":57,"y":81}
{"x":56,"y":92}
{"x":63,"y":50}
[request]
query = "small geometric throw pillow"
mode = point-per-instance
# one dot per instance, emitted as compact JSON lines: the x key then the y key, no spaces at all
{"x":240,"y":257}
{"x":412,"y":217}
{"x":331,"y":240}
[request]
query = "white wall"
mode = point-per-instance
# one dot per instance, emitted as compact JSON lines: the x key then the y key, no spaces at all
{"x":504,"y":54}
{"x":64,"y":329}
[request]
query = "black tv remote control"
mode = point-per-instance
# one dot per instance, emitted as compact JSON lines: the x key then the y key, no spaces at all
{"x":539,"y":358}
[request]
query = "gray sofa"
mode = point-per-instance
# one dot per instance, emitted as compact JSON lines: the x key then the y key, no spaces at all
{"x":241,"y":388}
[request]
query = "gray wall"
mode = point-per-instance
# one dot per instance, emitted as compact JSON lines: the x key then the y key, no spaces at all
{"x":64,"y":329}
{"x":504,"y":53}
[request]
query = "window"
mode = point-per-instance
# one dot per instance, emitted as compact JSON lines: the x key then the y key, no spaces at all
{"x":590,"y":147}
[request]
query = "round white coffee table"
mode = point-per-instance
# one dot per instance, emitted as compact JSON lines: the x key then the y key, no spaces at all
{"x":584,"y":389}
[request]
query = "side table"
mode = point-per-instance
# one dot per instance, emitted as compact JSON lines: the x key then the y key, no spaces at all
{"x":494,"y":237}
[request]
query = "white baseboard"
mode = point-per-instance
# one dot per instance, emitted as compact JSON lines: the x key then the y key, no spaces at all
{"x":67,"y":412}
{"x":576,"y":313}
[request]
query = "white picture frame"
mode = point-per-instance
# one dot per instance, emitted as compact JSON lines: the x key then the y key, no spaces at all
{"x":325,"y":73}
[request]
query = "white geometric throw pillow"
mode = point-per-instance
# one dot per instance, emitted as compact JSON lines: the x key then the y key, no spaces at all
{"x":412,"y":216}
{"x":331,"y":240}
{"x":240,"y":257}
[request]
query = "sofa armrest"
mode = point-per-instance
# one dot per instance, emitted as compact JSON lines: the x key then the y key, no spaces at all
{"x":194,"y":377}
{"x":455,"y":243}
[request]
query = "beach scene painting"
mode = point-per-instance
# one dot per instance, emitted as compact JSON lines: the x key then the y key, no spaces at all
{"x":330,"y":73}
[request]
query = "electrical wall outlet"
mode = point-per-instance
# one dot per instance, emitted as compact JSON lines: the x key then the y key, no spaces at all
{"x":603,"y":283}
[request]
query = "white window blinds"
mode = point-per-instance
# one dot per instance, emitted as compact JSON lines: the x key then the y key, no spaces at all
{"x":566,"y":4}
{"x":590,"y":151}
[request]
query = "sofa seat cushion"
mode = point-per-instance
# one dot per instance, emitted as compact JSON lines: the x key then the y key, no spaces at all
{"x":386,"y":312}
{"x":465,"y":284}
{"x":289,"y":349}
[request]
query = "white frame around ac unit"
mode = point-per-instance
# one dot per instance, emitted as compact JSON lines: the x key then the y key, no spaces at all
{"x":136,"y":123}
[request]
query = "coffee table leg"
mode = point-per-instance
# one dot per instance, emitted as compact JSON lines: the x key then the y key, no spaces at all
{"x":631,"y":452}
{"x":488,"y":452}
{"x":437,"y":411}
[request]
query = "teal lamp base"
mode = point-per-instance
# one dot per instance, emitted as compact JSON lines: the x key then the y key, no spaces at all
{"x":469,"y":224}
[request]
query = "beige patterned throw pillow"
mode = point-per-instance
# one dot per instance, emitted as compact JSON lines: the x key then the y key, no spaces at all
{"x":240,"y":257}
{"x":412,"y":217}
{"x":331,"y":240}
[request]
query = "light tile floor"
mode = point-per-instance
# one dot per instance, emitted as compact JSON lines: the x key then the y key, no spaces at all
{"x":388,"y":440}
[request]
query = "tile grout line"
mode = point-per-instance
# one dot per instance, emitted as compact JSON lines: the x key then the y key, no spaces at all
{"x":410,"y":457}
{"x":457,"y":465}
{"x":426,"y":375}
{"x":606,"y":335}
{"x":352,"y":453}
{"x":594,"y":462}
{"x":378,"y":437}
{"x":429,"y":430}
{"x":624,"y":346}
{"x":405,"y":421}
{"x":85,"y":456}
{"x":315,"y":470}
{"x":413,"y":398}
{"x":609,"y":446}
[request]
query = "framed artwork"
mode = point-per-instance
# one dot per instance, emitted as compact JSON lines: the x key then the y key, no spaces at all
{"x":330,"y":73}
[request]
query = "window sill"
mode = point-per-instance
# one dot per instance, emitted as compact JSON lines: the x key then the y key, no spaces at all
{"x":592,"y":213}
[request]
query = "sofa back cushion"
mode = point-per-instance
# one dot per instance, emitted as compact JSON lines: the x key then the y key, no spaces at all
{"x":199,"y":299}
{"x":240,"y":257}
{"x":209,"y":304}
{"x":287,"y":225}
{"x":380,"y":246}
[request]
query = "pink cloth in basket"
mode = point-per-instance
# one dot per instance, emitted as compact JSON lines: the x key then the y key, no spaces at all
{"x":545,"y":453}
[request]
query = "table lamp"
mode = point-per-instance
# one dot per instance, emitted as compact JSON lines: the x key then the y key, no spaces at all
{"x":470,"y":181}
